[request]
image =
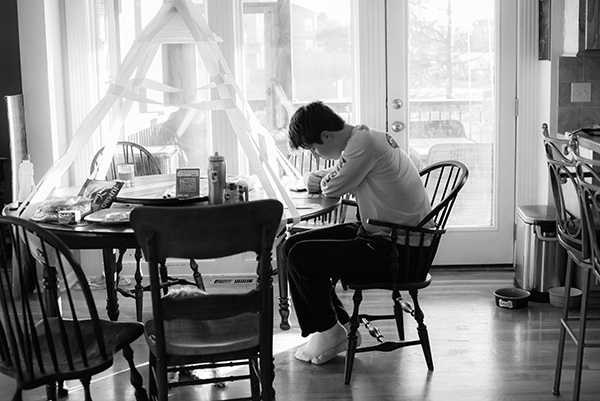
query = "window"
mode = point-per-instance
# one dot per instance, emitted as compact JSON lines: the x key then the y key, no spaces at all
{"x":292,"y":52}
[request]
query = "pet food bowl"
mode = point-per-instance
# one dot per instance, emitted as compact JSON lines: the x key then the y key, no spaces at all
{"x":511,"y":298}
{"x":557,"y":297}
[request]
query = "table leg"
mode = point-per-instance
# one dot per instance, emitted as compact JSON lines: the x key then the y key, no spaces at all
{"x":284,"y":300}
{"x":112,"y":302}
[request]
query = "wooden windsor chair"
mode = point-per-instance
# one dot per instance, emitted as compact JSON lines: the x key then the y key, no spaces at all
{"x":443,"y":182}
{"x":144,"y":164}
{"x":48,"y":332}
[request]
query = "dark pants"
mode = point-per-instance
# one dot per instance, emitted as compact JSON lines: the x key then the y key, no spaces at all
{"x":314,"y":257}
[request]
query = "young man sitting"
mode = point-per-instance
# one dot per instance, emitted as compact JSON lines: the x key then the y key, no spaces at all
{"x":386,"y":185}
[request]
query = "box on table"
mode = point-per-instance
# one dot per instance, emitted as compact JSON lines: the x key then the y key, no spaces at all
{"x":187,"y":182}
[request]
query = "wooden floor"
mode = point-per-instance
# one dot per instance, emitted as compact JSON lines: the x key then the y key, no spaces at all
{"x":480,"y":352}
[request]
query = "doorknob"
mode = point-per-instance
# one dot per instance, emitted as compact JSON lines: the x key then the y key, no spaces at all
{"x":397,"y":126}
{"x":396,"y":104}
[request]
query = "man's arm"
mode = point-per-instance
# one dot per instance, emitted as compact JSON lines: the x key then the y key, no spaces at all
{"x":312,"y":180}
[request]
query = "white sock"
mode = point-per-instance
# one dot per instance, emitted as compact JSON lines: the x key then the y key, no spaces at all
{"x":323,"y":346}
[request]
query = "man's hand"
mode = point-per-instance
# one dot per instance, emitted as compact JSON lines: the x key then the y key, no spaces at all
{"x":312,"y":180}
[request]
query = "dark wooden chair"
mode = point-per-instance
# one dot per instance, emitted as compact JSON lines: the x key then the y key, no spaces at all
{"x":48,"y":333}
{"x":144,"y":164}
{"x":442,"y":181}
{"x":580,"y":236}
{"x":195,"y":330}
{"x":573,"y":237}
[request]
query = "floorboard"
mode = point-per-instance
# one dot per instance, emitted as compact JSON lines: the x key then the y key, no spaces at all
{"x":480,"y":352}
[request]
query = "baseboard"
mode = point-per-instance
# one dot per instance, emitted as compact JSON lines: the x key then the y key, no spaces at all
{"x":491,"y":267}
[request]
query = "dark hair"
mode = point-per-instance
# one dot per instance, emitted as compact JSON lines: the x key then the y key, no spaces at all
{"x":308,"y":122}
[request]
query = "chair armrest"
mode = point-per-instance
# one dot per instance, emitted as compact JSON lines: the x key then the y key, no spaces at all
{"x":382,"y":223}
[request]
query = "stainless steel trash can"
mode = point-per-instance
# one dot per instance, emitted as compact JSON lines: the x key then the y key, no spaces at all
{"x":539,"y":260}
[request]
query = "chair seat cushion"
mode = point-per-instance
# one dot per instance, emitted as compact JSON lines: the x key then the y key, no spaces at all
{"x":204,"y":337}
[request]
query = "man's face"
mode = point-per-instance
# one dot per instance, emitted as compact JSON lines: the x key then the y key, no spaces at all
{"x":327,"y":149}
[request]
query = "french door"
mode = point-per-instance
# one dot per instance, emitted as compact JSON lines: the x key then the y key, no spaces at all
{"x":451,"y":95}
{"x":439,"y":75}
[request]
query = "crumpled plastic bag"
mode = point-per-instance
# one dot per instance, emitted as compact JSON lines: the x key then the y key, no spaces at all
{"x":48,"y":210}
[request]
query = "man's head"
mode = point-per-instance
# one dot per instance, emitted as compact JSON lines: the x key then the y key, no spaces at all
{"x":308,"y":123}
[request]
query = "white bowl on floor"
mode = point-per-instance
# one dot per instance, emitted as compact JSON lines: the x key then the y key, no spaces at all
{"x":557,"y":297}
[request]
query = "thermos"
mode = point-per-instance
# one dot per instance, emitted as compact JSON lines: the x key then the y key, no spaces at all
{"x":217,"y":176}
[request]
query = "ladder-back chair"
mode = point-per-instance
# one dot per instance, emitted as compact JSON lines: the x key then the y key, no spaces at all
{"x":207,"y":331}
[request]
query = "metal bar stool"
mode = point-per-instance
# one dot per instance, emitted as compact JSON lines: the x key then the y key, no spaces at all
{"x":574,"y":237}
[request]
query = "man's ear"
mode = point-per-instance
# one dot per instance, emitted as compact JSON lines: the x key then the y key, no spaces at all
{"x":326,"y":136}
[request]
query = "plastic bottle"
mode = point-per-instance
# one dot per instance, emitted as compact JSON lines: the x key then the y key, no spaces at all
{"x":25,"y":177}
{"x":217,"y":178}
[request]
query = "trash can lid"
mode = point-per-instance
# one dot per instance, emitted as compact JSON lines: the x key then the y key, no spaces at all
{"x":537,"y":214}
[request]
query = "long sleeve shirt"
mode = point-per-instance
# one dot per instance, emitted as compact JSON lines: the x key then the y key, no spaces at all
{"x":386,"y":184}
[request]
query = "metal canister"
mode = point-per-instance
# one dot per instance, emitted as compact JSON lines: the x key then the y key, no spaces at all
{"x":217,"y":175}
{"x":230,"y":194}
{"x":242,"y":189}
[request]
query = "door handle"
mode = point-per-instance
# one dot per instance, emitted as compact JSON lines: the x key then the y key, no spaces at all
{"x":397,"y":126}
{"x":396,"y":104}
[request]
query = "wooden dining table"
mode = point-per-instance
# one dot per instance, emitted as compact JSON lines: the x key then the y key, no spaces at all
{"x":154,"y":190}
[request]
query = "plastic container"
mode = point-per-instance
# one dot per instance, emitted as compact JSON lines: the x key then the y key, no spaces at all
{"x":557,"y":297}
{"x":217,"y":178}
{"x":539,"y":260}
{"x":25,"y":177}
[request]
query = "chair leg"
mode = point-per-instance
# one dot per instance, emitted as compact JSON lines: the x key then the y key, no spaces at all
{"x":284,"y":301}
{"x":50,"y":392}
{"x":399,"y":315}
{"x":563,"y":330}
{"x":85,"y":381}
{"x":197,"y":275}
{"x":162,"y":385}
{"x":119,"y":263}
{"x":422,"y":330}
{"x":164,"y":277}
{"x":352,"y":337}
{"x":152,"y":379}
{"x":62,"y":389}
{"x":267,"y":376}
{"x":254,"y":378}
{"x":582,"y":329}
{"x":134,"y":375}
{"x":139,"y":288}
{"x":18,"y":395}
